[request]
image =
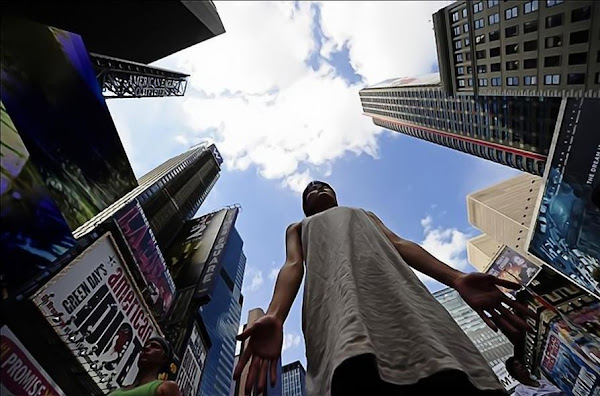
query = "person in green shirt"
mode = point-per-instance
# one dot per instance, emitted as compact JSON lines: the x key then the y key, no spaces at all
{"x":157,"y":353}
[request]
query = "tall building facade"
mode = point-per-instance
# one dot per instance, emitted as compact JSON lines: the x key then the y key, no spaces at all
{"x":170,"y":194}
{"x":494,"y":347}
{"x":503,"y":212}
{"x":525,"y":48}
{"x":222,"y":318}
{"x":294,"y":379}
{"x":514,"y":131}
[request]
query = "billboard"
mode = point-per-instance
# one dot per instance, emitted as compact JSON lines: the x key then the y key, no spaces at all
{"x":20,"y":373}
{"x":216,"y":154}
{"x":192,"y":364}
{"x":134,"y":226}
{"x":189,"y":252}
{"x":95,"y":308}
{"x":425,"y":79}
{"x":505,"y":379}
{"x":566,"y":228}
{"x":34,"y":232}
{"x":50,"y":91}
{"x":573,"y":373}
{"x":513,"y":267}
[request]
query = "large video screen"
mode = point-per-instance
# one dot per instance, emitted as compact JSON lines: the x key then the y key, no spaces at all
{"x":50,"y":91}
{"x":567,"y":227}
{"x":34,"y":232}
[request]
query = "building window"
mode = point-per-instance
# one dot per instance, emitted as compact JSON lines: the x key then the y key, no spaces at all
{"x":470,"y":82}
{"x":495,"y":67}
{"x":461,"y":83}
{"x":464,"y":12}
{"x":511,"y":13}
{"x":466,"y":27}
{"x":455,"y":17}
{"x":477,"y":7}
{"x":479,"y":24}
{"x":496,"y":81}
{"x":494,"y":18}
{"x":581,"y":14}
{"x":511,"y":49}
{"x":554,"y":41}
{"x":530,"y":27}
{"x":480,"y":39}
{"x":576,"y":78}
{"x":512,"y":81}
{"x":483,"y":82}
{"x":531,"y":6}
{"x":467,"y":42}
{"x":494,"y":52}
{"x":480,"y":54}
{"x":492,"y":3}
{"x":552,"y":3}
{"x":579,"y":37}
{"x":530,"y":45}
{"x":597,"y":81}
{"x":552,"y":61}
{"x":495,"y":35}
{"x":456,"y":30}
{"x":552,"y":79}
{"x":554,"y":21}
{"x":530,"y":80}
{"x":469,"y":70}
{"x":482,"y":69}
{"x":467,"y":56}
{"x":530,"y":63}
{"x":512,"y":65}
{"x":459,"y":58}
{"x":578,"y":58}
{"x":511,"y":31}
{"x":458,"y":44}
{"x":460,"y":70}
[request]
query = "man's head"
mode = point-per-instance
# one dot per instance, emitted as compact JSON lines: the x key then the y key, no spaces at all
{"x":317,"y":197}
{"x":517,"y":369}
{"x":156,"y":353}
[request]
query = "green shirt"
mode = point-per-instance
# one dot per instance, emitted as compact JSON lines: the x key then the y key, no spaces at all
{"x":148,"y":389}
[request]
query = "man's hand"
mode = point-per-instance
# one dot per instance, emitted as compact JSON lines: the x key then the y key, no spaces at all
{"x":481,"y":292}
{"x":265,"y":339}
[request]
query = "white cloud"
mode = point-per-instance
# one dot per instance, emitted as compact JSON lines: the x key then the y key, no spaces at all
{"x":448,"y":245}
{"x":290,"y":340}
{"x":257,"y":281}
{"x":182,"y":139}
{"x":273,"y":274}
{"x":385,"y":39}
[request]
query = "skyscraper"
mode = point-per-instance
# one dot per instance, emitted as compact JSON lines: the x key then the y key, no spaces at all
{"x":494,"y":347}
{"x":170,"y":194}
{"x":504,"y":213}
{"x":514,"y":131}
{"x":294,"y":379}
{"x":519,"y":48}
{"x":222,"y":318}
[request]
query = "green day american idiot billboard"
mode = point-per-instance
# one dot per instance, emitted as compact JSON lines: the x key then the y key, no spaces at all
{"x":50,"y":91}
{"x":566,"y":232}
{"x":20,"y":373}
{"x":34,"y":232}
{"x":95,"y":308}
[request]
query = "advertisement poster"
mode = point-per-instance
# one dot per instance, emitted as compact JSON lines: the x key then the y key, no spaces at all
{"x":97,"y":311}
{"x":511,"y":266}
{"x":189,"y":252}
{"x":567,"y":225}
{"x":571,"y":372}
{"x":34,"y":232}
{"x":192,"y":365}
{"x":20,"y":373}
{"x":505,"y":379}
{"x":216,"y":154}
{"x":50,"y":91}
{"x":140,"y":239}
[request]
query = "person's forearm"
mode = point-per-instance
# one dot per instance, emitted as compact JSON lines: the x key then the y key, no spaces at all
{"x":286,"y":289}
{"x":422,"y":261}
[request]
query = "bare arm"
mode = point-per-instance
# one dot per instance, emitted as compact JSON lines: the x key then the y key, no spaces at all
{"x":290,"y":276}
{"x":419,"y":258}
{"x":168,"y":388}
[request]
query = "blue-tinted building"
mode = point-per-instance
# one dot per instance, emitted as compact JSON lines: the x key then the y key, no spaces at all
{"x":222,"y":319}
{"x":294,"y":379}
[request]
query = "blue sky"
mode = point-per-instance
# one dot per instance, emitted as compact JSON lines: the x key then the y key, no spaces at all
{"x":278,"y":93}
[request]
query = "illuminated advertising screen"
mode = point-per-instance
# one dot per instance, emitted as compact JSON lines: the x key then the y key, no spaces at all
{"x":20,"y":373}
{"x":139,"y":236}
{"x":50,"y":91}
{"x":513,"y":267}
{"x":34,"y":232}
{"x":95,"y":308}
{"x":567,"y":224}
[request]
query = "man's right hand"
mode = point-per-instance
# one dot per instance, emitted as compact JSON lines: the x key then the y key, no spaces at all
{"x":265,"y":339}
